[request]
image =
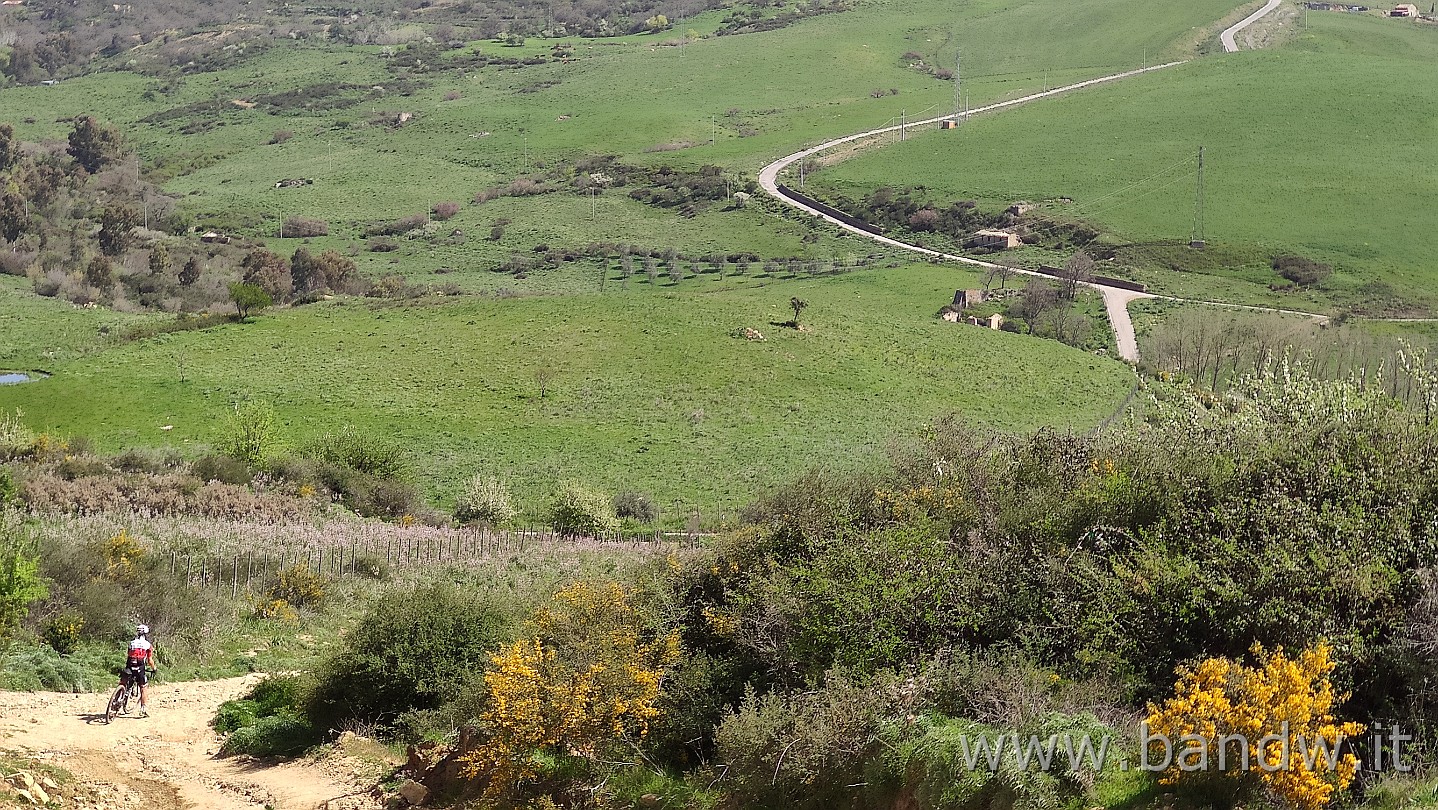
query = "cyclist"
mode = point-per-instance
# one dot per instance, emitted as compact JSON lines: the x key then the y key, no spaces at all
{"x":139,"y":663}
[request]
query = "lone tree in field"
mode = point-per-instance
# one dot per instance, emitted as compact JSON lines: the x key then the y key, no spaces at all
{"x":92,"y":144}
{"x":798,"y":305}
{"x":1077,"y":270}
{"x":544,"y":377}
{"x":249,"y":299}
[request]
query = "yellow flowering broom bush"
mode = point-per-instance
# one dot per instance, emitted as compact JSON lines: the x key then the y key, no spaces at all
{"x":1280,"y":713}
{"x":584,"y":678}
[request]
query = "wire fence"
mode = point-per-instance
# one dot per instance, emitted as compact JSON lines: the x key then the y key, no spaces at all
{"x":240,"y":571}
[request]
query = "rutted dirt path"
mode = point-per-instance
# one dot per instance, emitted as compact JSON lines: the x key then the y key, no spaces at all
{"x":164,"y":761}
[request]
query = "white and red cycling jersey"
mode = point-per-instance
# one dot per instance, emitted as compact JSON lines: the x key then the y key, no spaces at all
{"x":140,"y":652}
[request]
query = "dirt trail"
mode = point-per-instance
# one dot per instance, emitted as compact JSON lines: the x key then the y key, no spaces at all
{"x":164,"y":761}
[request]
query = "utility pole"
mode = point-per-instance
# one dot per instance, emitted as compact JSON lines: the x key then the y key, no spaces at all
{"x":958,"y":86}
{"x":1198,"y":242}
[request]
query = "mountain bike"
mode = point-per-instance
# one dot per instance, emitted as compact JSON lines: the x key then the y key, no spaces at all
{"x":128,"y":690}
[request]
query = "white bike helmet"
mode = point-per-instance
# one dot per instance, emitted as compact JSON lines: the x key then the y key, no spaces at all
{"x":142,"y":630}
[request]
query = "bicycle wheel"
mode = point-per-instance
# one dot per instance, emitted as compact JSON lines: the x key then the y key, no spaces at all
{"x":117,"y":702}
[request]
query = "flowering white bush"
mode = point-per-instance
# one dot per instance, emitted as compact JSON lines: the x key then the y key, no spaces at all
{"x":485,"y":500}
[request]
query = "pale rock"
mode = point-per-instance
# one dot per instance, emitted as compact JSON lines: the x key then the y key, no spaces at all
{"x":413,"y":792}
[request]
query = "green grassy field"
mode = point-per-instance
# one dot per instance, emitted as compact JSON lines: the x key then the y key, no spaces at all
{"x":803,"y":83}
{"x":37,"y":333}
{"x":651,"y":391}
{"x":1311,"y":148}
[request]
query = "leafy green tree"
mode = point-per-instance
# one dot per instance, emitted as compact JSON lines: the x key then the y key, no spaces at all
{"x":21,"y":67}
{"x":13,"y":219}
{"x":250,"y":432}
{"x":20,"y":582}
{"x":117,"y":229}
{"x":798,"y":305}
{"x":9,"y":148}
{"x":159,"y":260}
{"x":92,"y":144}
{"x":249,"y":298}
{"x":190,"y":273}
{"x":99,"y":273}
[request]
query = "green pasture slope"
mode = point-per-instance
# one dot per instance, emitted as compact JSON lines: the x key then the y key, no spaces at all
{"x":1324,"y":147}
{"x":801,"y":84}
{"x":651,"y":391}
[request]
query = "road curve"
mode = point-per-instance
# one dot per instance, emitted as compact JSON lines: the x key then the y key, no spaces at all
{"x":1116,"y":299}
{"x":1229,"y":46}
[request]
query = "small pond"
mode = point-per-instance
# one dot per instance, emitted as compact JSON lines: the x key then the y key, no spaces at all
{"x":17,"y":377}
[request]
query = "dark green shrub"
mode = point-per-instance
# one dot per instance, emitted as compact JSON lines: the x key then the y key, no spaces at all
{"x":414,"y":649}
{"x":578,"y":512}
{"x":361,"y":452}
{"x":384,"y":497}
{"x":273,"y":696}
{"x":806,"y":749}
{"x":635,"y":506}
{"x":371,"y":566}
{"x":222,"y":468}
{"x":9,"y":492}
{"x":1301,"y":271}
{"x":62,"y":632}
{"x":298,"y":586}
{"x":283,"y":734}
{"x":142,"y":461}
{"x":29,"y":668}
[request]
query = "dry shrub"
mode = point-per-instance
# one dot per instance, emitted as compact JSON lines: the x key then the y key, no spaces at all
{"x":227,"y":502}
{"x":306,"y":227}
{"x":525,"y":187}
{"x":445,"y":210}
{"x":15,"y":262}
{"x":492,"y":193}
{"x":156,"y":495}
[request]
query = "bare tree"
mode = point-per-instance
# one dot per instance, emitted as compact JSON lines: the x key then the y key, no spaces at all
{"x":1038,"y":298}
{"x":544,"y":377}
{"x":1077,"y":270}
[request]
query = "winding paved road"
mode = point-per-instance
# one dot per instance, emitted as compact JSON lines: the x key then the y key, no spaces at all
{"x":1229,"y":46}
{"x":1115,"y":299}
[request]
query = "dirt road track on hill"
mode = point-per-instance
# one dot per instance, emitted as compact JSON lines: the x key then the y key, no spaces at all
{"x":1231,"y":46}
{"x":1115,"y":299}
{"x":163,"y":762}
